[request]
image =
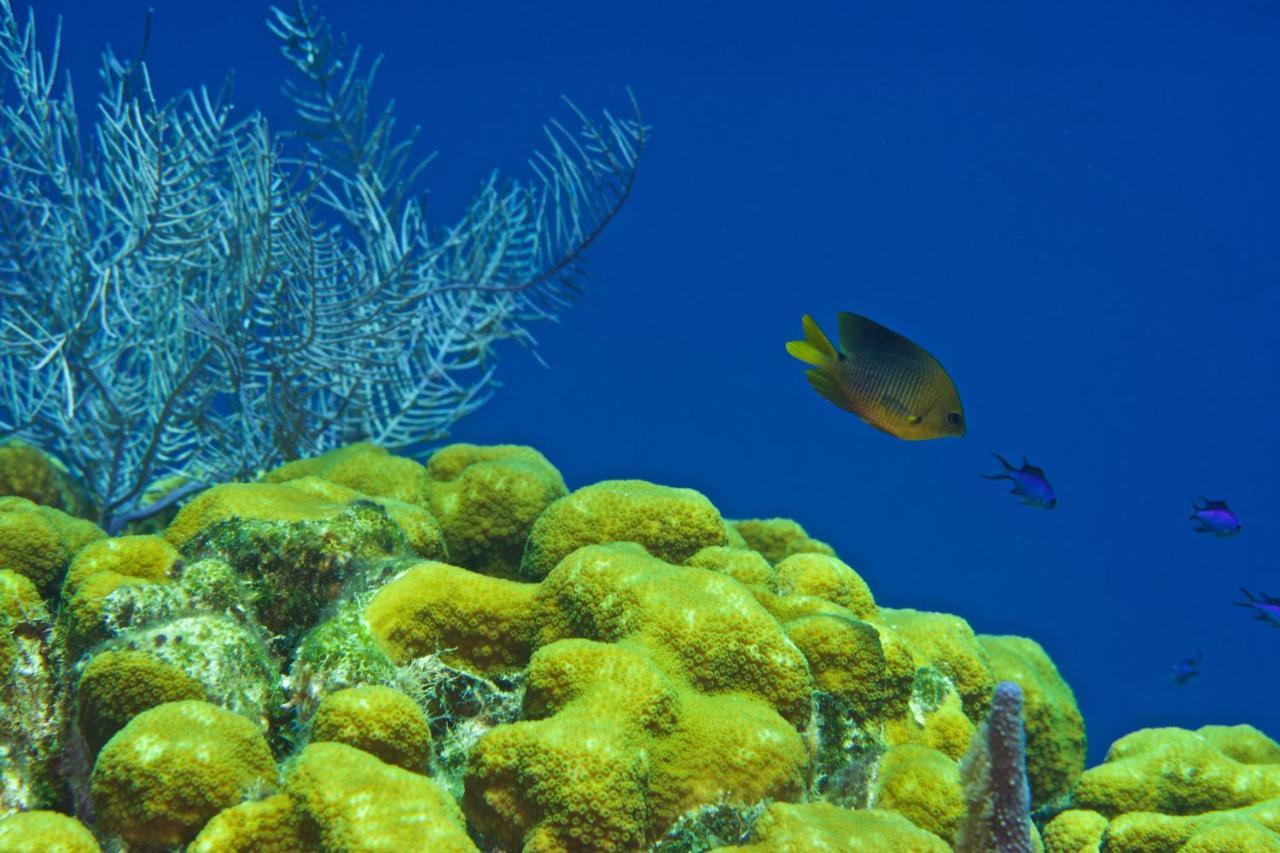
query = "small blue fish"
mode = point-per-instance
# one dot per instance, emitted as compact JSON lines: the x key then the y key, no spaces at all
{"x":1029,"y":483}
{"x":1265,"y":607}
{"x":1187,"y":669}
{"x":1215,"y":517}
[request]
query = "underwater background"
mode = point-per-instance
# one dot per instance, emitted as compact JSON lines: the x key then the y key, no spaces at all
{"x":1075,"y":210}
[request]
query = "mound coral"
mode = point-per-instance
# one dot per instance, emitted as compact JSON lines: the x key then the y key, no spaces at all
{"x":28,"y":472}
{"x":299,"y":544}
{"x":116,"y":686}
{"x":487,"y":499}
{"x":45,"y":832}
{"x":485,"y":623}
{"x":671,"y":524}
{"x":822,"y":826}
{"x":355,"y":802}
{"x":778,"y":538}
{"x":383,"y":722}
{"x":611,"y":668}
{"x":38,"y":542}
{"x":1055,"y":729}
{"x":162,"y":776}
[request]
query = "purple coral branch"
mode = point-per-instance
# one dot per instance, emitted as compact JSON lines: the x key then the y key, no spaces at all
{"x":994,"y":773}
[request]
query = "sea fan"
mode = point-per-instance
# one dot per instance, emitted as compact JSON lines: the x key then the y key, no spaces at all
{"x":183,"y":292}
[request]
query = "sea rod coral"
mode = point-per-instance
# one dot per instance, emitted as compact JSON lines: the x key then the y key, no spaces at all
{"x":182,"y":292}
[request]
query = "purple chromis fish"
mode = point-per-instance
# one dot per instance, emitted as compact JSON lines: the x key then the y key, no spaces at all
{"x":1029,"y":483}
{"x":1187,"y":669}
{"x":1214,"y":517}
{"x":1264,"y":607}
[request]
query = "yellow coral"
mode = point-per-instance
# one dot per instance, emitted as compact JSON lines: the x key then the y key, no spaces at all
{"x":724,"y":749}
{"x":846,"y":659}
{"x":116,"y":686}
{"x":28,"y":472}
{"x":1055,"y":729}
{"x":147,"y":557}
{"x":364,"y":467}
{"x":162,"y":776}
{"x":273,"y":825}
{"x":357,"y":802}
{"x":45,"y":832}
{"x":1173,"y":772}
{"x":614,"y":748}
{"x":1254,"y":828}
{"x":699,"y":624}
{"x":744,"y":566}
{"x":922,"y":785}
{"x":787,"y":828}
{"x":671,"y":524}
{"x":1243,"y":743}
{"x":1075,"y":831}
{"x":826,"y":577}
{"x":303,"y":499}
{"x":485,"y":623}
{"x":948,"y":644}
{"x":381,"y":721}
{"x":940,"y":725}
{"x":779,"y":538}
{"x":487,"y":498}
{"x":30,"y":544}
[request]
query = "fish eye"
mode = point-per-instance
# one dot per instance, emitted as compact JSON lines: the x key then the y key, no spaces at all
{"x":953,"y":418}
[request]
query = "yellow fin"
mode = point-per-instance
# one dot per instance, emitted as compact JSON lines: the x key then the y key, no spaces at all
{"x":815,"y":349}
{"x":825,"y":384}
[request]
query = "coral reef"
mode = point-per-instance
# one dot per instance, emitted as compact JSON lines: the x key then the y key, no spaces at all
{"x":363,"y":652}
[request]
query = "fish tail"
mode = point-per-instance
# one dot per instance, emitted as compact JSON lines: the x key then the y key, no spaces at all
{"x":815,"y":349}
{"x":1003,"y":475}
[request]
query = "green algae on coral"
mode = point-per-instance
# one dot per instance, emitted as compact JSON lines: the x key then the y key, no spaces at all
{"x":301,"y":545}
{"x":225,"y":656}
{"x":31,"y":725}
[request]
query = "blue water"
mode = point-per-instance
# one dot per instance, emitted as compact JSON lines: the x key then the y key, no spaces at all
{"x":1075,"y":210}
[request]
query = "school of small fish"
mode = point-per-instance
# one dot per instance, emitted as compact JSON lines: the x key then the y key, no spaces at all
{"x":898,"y":387}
